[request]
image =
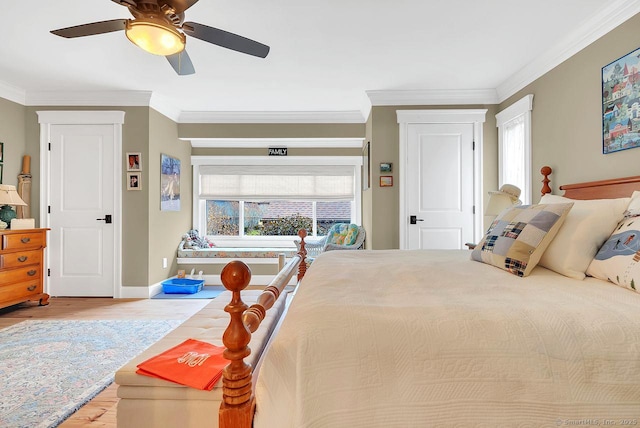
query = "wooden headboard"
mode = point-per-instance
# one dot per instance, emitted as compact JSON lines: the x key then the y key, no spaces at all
{"x":603,"y":189}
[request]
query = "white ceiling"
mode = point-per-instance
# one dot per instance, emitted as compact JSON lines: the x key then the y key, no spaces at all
{"x":332,"y":57}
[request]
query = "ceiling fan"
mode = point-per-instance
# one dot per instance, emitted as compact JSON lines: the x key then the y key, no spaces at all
{"x":158,"y":27}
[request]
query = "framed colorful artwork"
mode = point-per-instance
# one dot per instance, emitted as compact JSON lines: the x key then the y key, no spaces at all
{"x":169,"y":183}
{"x":620,"y":107}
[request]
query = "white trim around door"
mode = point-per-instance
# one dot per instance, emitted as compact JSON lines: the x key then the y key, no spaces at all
{"x":472,"y":116}
{"x":116,"y":118}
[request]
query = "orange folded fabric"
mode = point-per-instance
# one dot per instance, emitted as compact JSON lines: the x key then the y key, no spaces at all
{"x":192,"y":363}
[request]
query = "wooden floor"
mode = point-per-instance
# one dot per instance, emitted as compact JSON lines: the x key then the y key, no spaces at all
{"x":101,"y":411}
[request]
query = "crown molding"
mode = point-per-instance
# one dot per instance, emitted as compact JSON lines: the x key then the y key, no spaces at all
{"x":164,"y":106}
{"x":13,"y":93}
{"x":612,"y":15}
{"x":354,"y":116}
{"x":432,"y":97}
{"x":88,"y":98}
{"x":262,"y":143}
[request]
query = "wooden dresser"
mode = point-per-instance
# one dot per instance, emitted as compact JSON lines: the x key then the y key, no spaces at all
{"x":21,"y":269}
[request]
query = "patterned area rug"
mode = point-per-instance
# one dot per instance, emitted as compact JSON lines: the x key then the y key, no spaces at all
{"x":49,"y":369}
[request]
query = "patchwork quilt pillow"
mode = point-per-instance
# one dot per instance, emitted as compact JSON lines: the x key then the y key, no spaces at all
{"x":618,"y":260}
{"x":342,"y":234}
{"x":517,"y":238}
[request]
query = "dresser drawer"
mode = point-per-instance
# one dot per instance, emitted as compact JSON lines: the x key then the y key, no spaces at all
{"x":23,"y":241}
{"x":20,"y":290}
{"x":26,"y":273}
{"x":20,"y":258}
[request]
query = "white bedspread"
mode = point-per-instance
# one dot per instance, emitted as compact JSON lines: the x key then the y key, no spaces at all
{"x":430,"y":338}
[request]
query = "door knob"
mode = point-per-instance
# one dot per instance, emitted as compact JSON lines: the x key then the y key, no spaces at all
{"x":413,"y":219}
{"x":107,"y":218}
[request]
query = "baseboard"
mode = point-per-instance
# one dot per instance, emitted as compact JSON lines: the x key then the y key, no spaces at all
{"x":257,"y":281}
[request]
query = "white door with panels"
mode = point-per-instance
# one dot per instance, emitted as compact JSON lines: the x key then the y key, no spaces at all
{"x":438,"y":185}
{"x":83,"y":203}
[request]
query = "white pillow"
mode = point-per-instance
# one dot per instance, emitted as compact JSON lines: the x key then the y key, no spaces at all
{"x":587,"y":226}
{"x":633,"y":209}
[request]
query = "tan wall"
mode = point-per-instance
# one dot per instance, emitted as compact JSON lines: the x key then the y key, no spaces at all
{"x":165,"y":228}
{"x":271,"y":130}
{"x":12,"y":135}
{"x":385,"y":143}
{"x":567,"y":114}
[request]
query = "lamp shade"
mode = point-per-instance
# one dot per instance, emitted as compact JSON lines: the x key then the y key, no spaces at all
{"x":9,"y":195}
{"x":497,"y":204}
{"x":506,"y":197}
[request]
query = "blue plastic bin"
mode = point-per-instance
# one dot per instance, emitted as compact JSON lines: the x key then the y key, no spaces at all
{"x":182,"y":286}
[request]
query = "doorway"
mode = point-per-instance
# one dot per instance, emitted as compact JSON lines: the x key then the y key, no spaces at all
{"x":440,"y":178}
{"x":80,"y":201}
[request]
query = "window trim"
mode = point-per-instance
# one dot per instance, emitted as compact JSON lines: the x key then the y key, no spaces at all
{"x":522,"y":107}
{"x":275,"y":241}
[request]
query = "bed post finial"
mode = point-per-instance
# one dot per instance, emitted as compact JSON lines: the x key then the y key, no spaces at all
{"x":546,"y":172}
{"x":302,"y":269}
{"x":238,"y":403}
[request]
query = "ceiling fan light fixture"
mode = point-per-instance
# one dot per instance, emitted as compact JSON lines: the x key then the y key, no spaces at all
{"x":155,"y":38}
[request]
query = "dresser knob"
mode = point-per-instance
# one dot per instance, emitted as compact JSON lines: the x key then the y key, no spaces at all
{"x":25,"y":240}
{"x":22,"y":258}
{"x":32,"y":287}
{"x":32,"y":272}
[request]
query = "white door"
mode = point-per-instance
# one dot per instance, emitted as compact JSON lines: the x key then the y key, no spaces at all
{"x":81,"y":240}
{"x":439,"y":187}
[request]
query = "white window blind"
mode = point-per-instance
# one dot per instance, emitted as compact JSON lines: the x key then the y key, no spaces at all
{"x":265,"y":182}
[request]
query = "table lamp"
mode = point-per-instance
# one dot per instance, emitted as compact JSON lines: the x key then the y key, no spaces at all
{"x":507,"y":196}
{"x":9,"y":196}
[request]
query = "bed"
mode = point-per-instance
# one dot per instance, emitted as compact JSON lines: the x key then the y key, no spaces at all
{"x":444,"y":338}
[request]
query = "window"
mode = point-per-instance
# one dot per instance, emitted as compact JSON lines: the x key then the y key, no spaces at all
{"x":264,"y":201}
{"x":514,"y":146}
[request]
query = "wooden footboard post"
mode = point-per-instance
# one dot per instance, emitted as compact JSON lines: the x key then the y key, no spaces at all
{"x":302,"y":269}
{"x":238,"y":403}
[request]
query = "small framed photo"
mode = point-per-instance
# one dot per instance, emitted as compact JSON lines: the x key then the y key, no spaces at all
{"x":134,"y":161}
{"x":1,"y":168}
{"x":386,"y":167}
{"x":386,"y":181}
{"x":134,"y":181}
{"x":1,"y":152}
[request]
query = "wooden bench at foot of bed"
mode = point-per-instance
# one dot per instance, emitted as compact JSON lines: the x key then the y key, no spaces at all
{"x":150,"y":402}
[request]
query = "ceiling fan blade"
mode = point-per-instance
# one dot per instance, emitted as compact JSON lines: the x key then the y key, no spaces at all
{"x":178,"y":5}
{"x":181,"y":63}
{"x":225,"y":39}
{"x":92,"y":28}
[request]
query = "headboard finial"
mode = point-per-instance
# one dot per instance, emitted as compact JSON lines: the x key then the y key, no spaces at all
{"x":546,"y":172}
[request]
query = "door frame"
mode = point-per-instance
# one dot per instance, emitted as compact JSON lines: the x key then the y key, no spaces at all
{"x":476,"y":117}
{"x":116,"y":118}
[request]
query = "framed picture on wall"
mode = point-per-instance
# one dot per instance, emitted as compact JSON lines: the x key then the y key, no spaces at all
{"x":134,"y":162}
{"x":620,"y":112}
{"x":134,"y":181}
{"x":169,"y":183}
{"x":386,"y":181}
{"x":1,"y":152}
